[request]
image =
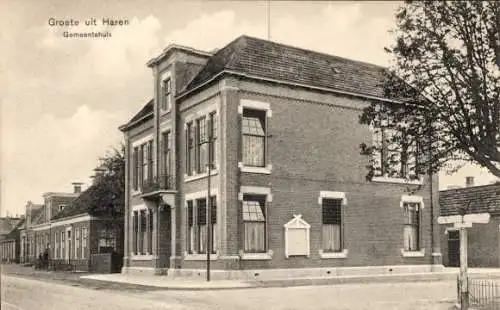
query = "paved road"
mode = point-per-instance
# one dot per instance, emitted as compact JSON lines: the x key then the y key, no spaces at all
{"x":28,"y":294}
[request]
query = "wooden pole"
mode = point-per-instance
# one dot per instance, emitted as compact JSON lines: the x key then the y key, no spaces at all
{"x":464,"y":292}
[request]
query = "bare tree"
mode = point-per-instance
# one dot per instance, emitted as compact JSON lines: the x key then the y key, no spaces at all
{"x":446,"y":77}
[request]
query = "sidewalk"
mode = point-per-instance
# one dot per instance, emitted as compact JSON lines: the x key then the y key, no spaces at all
{"x":449,"y":274}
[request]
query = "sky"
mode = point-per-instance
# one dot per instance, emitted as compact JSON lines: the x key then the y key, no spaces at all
{"x":62,"y":99}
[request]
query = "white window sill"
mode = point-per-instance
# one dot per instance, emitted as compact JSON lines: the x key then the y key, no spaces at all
{"x":420,"y":253}
{"x":398,"y":180}
{"x":256,"y":256}
{"x":142,"y":257}
{"x":202,"y":257}
{"x":190,"y":178}
{"x":261,"y":170}
{"x":328,"y":255}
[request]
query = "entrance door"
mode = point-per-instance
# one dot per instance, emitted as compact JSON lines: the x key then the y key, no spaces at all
{"x":453,"y":248}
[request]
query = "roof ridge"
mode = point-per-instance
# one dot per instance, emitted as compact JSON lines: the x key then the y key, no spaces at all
{"x":313,"y":51}
{"x":464,"y":188}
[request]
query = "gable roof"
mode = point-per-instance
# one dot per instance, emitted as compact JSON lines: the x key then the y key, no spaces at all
{"x":275,"y":61}
{"x":7,"y":224}
{"x":78,"y":205}
{"x":144,"y":114}
{"x":480,"y":199}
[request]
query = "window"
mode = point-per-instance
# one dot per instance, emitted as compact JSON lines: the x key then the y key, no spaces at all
{"x":142,"y":236}
{"x":56,"y":248}
{"x":150,"y":231}
{"x":136,"y":167}
{"x":77,"y":243}
{"x":63,"y":255}
{"x":394,"y":155}
{"x":84,"y":242}
{"x":213,"y":222}
{"x":254,"y":223}
{"x":143,"y":232}
{"x":201,"y":145}
{"x":411,"y":226}
{"x":135,"y":222}
{"x":145,"y":160}
{"x":166,"y":170}
{"x":189,"y":148}
{"x":213,"y":135}
{"x":166,"y":91}
{"x":201,"y":216}
{"x":191,"y":228}
{"x":331,"y":229}
{"x":107,"y":240}
{"x":150,"y":161}
{"x":61,"y":207}
{"x":254,"y":137}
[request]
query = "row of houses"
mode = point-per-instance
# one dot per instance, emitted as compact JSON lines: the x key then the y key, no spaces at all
{"x":64,"y":230}
{"x":261,"y":142}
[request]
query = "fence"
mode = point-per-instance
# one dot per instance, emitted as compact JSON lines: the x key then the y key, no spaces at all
{"x":484,"y":294}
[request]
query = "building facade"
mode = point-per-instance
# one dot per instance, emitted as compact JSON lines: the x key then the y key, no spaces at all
{"x":68,"y":230}
{"x":483,"y":248}
{"x":9,"y":239}
{"x":287,"y":188}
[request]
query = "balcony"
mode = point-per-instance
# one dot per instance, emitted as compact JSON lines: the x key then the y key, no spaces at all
{"x":159,"y":187}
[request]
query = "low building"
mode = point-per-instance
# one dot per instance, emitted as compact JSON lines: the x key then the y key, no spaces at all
{"x":9,"y":239}
{"x":483,"y":249}
{"x":69,"y":229}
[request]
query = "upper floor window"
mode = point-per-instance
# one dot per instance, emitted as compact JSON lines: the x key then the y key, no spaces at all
{"x":201,"y":145}
{"x":394,"y":154}
{"x":254,"y":137}
{"x":142,"y":164}
{"x":190,"y":155}
{"x":213,"y":136}
{"x":166,"y":160}
{"x":166,"y":94}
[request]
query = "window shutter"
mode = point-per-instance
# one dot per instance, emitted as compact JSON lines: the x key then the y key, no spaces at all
{"x":135,"y":164}
{"x":190,"y":213}
{"x":202,"y":212}
{"x":213,"y":205}
{"x":332,"y":211}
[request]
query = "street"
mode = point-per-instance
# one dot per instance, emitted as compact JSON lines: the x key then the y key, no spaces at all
{"x":28,"y":294}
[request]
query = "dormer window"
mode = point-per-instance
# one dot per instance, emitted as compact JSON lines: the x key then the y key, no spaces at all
{"x":61,"y":207}
{"x":166,"y":91}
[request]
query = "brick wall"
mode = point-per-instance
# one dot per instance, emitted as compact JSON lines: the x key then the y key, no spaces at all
{"x":483,"y":244}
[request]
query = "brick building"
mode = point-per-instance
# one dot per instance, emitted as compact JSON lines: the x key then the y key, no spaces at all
{"x":288,"y":186}
{"x":483,"y":239}
{"x":68,"y":228}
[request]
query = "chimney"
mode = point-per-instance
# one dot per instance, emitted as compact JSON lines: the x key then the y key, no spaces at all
{"x":469,"y":181}
{"x":77,"y":186}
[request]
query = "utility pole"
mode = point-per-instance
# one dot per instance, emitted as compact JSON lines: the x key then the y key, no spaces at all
{"x":462,"y":222}
{"x":209,"y":206}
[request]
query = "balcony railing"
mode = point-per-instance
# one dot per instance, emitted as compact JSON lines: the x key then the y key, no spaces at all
{"x":158,"y":183}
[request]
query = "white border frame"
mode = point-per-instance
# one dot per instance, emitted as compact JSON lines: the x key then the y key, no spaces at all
{"x":334,"y":195}
{"x":262,"y":106}
{"x":419,"y":200}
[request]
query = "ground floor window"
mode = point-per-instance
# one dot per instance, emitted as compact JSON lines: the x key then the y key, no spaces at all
{"x":197,"y":225}
{"x":254,"y":223}
{"x":331,"y":228}
{"x":142,"y":232}
{"x":107,"y":240}
{"x":411,"y":226}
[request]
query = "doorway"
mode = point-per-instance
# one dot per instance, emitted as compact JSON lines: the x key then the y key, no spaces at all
{"x":453,"y":248}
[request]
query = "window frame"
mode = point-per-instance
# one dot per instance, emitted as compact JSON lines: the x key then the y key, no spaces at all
{"x":166,"y":94}
{"x":264,"y":192}
{"x":264,"y":107}
{"x":336,"y":195}
{"x":411,"y":199}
